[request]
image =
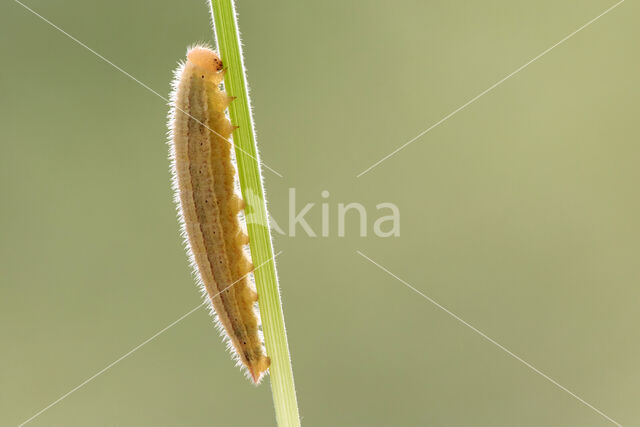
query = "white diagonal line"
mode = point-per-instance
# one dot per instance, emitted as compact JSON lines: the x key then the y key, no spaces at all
{"x":138,"y":81}
{"x":138,"y":347}
{"x":491,"y":340}
{"x":487,"y":90}
{"x":115,"y":362}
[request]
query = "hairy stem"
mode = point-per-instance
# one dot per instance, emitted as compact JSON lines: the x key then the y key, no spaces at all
{"x":275,"y":337}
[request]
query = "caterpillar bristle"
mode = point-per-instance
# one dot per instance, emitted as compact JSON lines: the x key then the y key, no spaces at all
{"x":228,"y":100}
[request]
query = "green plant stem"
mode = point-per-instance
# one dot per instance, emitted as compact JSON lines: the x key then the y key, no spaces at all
{"x":275,"y":337}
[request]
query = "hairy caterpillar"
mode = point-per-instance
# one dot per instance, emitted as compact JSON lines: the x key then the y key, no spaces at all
{"x":204,"y":182}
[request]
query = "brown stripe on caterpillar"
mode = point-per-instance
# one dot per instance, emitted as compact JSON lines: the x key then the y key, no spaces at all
{"x":204,"y":182}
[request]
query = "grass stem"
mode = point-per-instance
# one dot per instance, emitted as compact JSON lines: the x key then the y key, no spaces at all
{"x":281,"y":373}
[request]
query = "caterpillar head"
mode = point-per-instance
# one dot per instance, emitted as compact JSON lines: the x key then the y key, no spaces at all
{"x":205,"y":58}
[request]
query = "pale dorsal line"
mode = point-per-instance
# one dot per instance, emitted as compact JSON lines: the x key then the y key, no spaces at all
{"x":491,"y":340}
{"x":487,"y":90}
{"x":139,"y":346}
{"x":139,"y":82}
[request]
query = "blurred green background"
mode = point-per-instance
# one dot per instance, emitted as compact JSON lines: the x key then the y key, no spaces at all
{"x":520,"y":214}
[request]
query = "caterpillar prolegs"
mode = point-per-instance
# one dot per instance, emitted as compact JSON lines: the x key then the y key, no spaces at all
{"x":204,"y":182}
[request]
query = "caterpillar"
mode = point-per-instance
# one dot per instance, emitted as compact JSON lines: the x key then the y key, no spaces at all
{"x":208,"y":206}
